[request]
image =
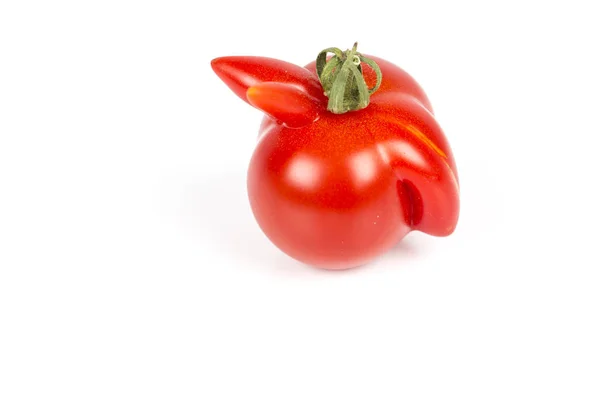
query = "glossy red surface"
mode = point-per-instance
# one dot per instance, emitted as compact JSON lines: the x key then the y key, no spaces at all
{"x":335,"y":191}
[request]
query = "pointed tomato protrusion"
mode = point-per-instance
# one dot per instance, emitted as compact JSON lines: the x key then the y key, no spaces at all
{"x":434,"y":197}
{"x":414,"y":145}
{"x":426,"y":184}
{"x":240,"y":73}
{"x":284,"y":102}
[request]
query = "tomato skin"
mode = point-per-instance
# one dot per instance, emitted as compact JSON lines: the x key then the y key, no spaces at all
{"x":337,"y":190}
{"x":324,"y":200}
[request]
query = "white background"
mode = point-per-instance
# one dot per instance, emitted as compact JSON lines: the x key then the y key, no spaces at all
{"x":131,"y":266}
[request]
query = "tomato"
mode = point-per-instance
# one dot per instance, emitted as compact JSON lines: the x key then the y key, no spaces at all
{"x":332,"y":187}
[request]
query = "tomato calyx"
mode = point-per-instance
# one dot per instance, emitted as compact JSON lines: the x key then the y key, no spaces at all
{"x":342,"y":79}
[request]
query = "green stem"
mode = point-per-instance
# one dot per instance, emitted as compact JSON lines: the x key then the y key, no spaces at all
{"x":342,"y":79}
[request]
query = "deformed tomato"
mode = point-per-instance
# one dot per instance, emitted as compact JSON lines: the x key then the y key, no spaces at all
{"x":349,"y":159}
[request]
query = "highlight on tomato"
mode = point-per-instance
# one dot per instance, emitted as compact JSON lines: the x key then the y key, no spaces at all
{"x":349,"y":159}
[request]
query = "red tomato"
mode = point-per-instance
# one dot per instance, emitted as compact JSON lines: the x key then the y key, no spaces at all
{"x":335,"y":190}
